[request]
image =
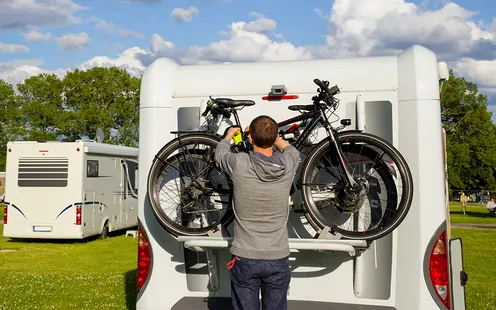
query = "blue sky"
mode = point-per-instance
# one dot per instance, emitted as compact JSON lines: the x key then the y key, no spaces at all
{"x":59,"y":35}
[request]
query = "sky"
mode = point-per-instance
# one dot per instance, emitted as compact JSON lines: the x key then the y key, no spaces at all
{"x":56,"y":36}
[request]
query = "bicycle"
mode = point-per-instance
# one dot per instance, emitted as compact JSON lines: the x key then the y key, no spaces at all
{"x":343,"y":155}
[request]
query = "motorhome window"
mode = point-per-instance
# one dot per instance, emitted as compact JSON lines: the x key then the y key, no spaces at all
{"x":92,"y":168}
{"x":136,"y":179}
{"x":43,"y":172}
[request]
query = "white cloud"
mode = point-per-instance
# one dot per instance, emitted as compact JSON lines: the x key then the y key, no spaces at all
{"x":16,"y":71}
{"x":74,"y":41}
{"x":260,"y":24}
{"x":181,"y":15}
{"x":481,"y":72}
{"x":354,"y":28}
{"x":18,"y":14}
{"x":244,"y":42}
{"x":387,"y":27}
{"x":320,"y":14}
{"x":35,"y":36}
{"x":363,"y":27}
{"x":127,"y":60}
{"x":110,"y":28}
{"x":13,"y":48}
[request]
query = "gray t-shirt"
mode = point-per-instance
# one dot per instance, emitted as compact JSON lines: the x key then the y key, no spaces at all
{"x":261,"y":195}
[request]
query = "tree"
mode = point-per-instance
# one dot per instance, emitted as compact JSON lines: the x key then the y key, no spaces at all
{"x":10,"y":120}
{"x":102,"y":97}
{"x":42,"y":106}
{"x":470,"y":136}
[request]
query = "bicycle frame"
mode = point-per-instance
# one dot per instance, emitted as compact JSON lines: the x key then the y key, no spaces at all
{"x":318,"y":117}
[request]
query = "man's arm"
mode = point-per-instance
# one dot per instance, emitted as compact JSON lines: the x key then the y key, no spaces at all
{"x":288,"y":151}
{"x":223,"y":156}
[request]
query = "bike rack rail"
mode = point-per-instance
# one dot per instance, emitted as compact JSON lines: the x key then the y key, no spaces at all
{"x":205,"y":244}
{"x":324,"y":242}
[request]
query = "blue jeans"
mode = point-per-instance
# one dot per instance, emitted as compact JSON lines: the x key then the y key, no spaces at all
{"x":249,"y":276}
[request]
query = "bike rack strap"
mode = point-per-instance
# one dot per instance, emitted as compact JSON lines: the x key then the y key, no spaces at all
{"x":207,"y":244}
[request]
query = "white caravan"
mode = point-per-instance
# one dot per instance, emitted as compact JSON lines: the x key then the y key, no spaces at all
{"x":69,"y":190}
{"x":417,"y":266}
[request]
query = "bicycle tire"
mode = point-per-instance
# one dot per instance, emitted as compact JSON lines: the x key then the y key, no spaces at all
{"x":155,"y":172}
{"x":390,"y":222}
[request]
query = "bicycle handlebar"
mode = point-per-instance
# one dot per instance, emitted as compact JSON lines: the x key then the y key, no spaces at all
{"x":324,"y":87}
{"x":321,"y":84}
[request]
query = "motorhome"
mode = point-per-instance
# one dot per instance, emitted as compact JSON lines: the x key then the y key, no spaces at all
{"x":416,"y":267}
{"x":69,"y":190}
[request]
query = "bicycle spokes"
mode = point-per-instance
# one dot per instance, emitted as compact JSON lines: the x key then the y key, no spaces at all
{"x":192,"y":191}
{"x":361,"y":207}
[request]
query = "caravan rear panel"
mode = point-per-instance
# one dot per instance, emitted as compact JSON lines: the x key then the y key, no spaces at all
{"x":400,"y":98}
{"x":69,"y":190}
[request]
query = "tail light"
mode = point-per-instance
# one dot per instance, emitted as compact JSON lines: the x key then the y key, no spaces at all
{"x":5,"y":211}
{"x":78,"y":215}
{"x":144,"y":259}
{"x":439,"y":269}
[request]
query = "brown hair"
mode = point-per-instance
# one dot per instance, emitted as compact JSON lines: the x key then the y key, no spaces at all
{"x":263,"y":131}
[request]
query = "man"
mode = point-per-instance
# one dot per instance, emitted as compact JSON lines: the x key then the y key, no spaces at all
{"x":463,"y":200}
{"x":262,"y":181}
{"x":491,"y":206}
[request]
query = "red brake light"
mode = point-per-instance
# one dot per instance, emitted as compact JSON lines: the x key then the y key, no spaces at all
{"x":438,"y":269}
{"x":144,"y":258}
{"x":5,"y":214}
{"x":78,"y":215}
{"x":277,"y":98}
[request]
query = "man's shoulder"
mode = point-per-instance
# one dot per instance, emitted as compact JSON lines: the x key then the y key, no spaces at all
{"x":290,"y":150}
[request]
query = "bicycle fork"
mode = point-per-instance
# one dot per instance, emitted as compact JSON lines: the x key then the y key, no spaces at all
{"x":350,"y":181}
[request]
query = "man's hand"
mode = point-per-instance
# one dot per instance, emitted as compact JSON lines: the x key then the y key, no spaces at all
{"x":231,"y":132}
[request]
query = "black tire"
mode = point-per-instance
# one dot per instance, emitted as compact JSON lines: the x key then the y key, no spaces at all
{"x":105,"y":231}
{"x":162,"y":160}
{"x":394,"y":213}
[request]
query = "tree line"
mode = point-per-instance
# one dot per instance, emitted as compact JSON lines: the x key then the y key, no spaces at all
{"x":46,"y":107}
{"x":470,"y":136}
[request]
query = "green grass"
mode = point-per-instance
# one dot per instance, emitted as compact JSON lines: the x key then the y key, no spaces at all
{"x":479,"y":251}
{"x":101,"y":274}
{"x":98,"y":274}
{"x":475,"y":214}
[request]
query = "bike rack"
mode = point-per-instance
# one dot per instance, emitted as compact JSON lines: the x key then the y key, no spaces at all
{"x":218,"y":239}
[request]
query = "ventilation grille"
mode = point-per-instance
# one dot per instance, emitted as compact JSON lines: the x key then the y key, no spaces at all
{"x":43,"y":172}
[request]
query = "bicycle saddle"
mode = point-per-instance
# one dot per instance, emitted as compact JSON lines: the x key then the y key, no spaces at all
{"x":231,"y":103}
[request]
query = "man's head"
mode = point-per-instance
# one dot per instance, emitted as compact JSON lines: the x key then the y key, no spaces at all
{"x":263,"y":131}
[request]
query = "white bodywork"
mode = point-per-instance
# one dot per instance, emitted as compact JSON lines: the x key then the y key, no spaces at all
{"x":396,"y":98}
{"x":49,"y":180}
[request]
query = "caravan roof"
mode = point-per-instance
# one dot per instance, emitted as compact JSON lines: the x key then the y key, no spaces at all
{"x":93,"y":147}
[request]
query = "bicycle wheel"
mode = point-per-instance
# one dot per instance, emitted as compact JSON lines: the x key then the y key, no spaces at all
{"x":387,"y":187}
{"x":188,"y":193}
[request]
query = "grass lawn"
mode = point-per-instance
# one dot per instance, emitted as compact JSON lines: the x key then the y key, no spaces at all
{"x":475,"y":214}
{"x":99,"y":274}
{"x":479,"y":251}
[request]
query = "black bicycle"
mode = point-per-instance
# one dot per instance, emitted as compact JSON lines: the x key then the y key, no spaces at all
{"x":354,"y":183}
